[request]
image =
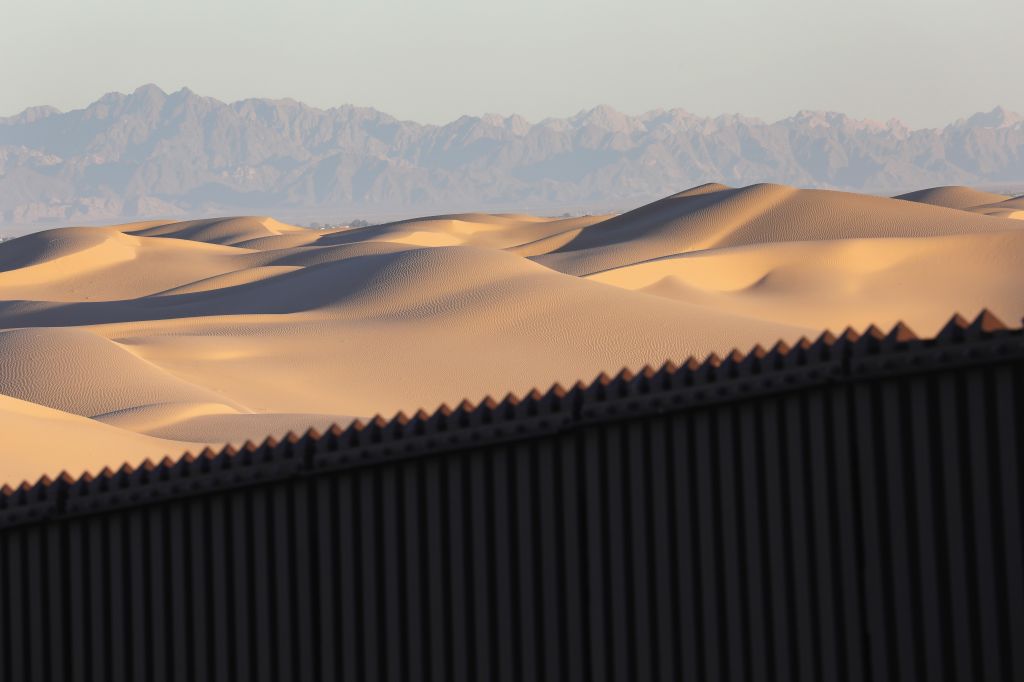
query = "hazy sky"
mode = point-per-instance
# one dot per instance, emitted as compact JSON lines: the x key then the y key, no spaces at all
{"x":926,"y":62}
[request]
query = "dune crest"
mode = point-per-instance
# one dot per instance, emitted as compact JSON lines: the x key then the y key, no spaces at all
{"x":952,"y":196}
{"x":165,"y":336}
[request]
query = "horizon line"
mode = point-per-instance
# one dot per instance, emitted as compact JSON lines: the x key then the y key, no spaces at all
{"x":891,"y":122}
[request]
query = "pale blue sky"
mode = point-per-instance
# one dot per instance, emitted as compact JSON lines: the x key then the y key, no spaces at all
{"x":926,"y":62}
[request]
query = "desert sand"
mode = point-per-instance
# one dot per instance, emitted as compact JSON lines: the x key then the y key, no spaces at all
{"x":142,"y":340}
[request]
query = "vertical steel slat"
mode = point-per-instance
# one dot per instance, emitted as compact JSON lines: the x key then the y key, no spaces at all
{"x":1009,"y":407}
{"x":573,"y":584}
{"x":782,"y":620}
{"x":802,"y":579}
{"x":923,"y":451}
{"x":415,"y":579}
{"x":957,"y":589}
{"x":756,"y":567}
{"x":326,"y":627}
{"x":872,"y":506}
{"x":709,"y":537}
{"x":7,"y":538}
{"x":507,"y":655}
{"x":15,"y":606}
{"x":79,"y":598}
{"x":35,"y":547}
{"x":979,"y":453}
{"x":846,"y":505}
{"x":350,"y":588}
{"x":139,"y":589}
{"x":391,"y":574}
{"x":596,"y":596}
{"x":181,"y":658}
{"x":732,"y":565}
{"x":99,"y":602}
{"x":905,"y":627}
{"x":199,"y":571}
{"x":483,"y":634}
{"x":244,"y":528}
{"x":283,"y":630}
{"x":459,"y":583}
{"x":157,"y":537}
{"x":664,"y":576}
{"x":686,"y":548}
{"x":263,"y":558}
{"x":305,"y":579}
{"x":551,"y":596}
{"x":823,"y":569}
{"x":57,"y":574}
{"x":118,"y":594}
{"x":221,"y":635}
{"x":639,"y":553}
{"x":615,"y":514}
{"x":521,"y":465}
{"x":369,"y":539}
{"x":438,"y":635}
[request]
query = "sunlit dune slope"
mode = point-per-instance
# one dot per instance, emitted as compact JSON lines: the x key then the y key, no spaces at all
{"x":152,"y":338}
{"x":836,"y":283}
{"x":226,"y":231}
{"x":759,"y":214}
{"x":39,"y":439}
{"x":967,"y":199}
{"x":952,"y":196}
{"x":1009,"y":208}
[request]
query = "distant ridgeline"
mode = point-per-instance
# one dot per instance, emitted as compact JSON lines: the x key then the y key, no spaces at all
{"x":845,"y":509}
{"x":153,"y":154}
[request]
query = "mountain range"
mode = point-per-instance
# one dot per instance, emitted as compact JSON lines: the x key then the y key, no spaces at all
{"x":154,"y":154}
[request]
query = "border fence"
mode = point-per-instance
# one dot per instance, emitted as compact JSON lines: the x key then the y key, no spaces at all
{"x":845,"y":509}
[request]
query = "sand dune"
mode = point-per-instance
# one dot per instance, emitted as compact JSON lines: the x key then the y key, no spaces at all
{"x":952,"y":196}
{"x":39,"y":439}
{"x":967,"y":199}
{"x":836,"y":283}
{"x":152,"y":338}
{"x":474,"y":229}
{"x":1009,"y":208}
{"x":722,"y":217}
{"x":227,"y":231}
{"x":78,"y":371}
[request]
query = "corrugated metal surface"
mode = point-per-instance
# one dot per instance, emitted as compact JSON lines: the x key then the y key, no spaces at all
{"x":844,"y":510}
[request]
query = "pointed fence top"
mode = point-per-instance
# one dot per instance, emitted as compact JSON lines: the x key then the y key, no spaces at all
{"x":691,"y":372}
